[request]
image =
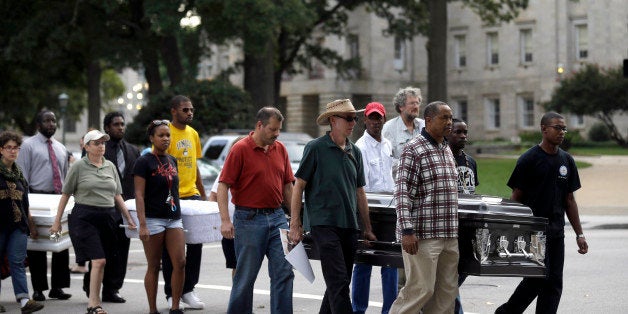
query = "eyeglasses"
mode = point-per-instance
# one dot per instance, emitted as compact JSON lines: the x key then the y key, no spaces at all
{"x":11,"y":148}
{"x":558,"y":127}
{"x":187,"y":110}
{"x":160,"y":122}
{"x":348,"y":119}
{"x":461,"y":131}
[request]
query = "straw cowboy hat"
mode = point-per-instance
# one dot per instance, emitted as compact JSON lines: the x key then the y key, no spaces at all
{"x":336,"y":107}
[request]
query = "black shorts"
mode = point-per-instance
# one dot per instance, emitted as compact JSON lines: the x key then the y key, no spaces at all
{"x":92,"y":231}
{"x":228,"y":249}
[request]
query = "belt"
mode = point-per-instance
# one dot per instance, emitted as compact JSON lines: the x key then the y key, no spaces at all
{"x":41,"y":192}
{"x":265,"y":211}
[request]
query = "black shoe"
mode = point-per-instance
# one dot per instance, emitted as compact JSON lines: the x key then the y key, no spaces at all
{"x":177,"y":311}
{"x":114,"y":297}
{"x":57,"y":293}
{"x":38,"y":296}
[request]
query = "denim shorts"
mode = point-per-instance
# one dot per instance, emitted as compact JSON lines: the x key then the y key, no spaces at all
{"x":157,"y":225}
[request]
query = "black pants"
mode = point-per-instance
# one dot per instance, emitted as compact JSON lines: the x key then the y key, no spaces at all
{"x":59,"y":270}
{"x":336,"y":248}
{"x":115,"y":269}
{"x":548,"y":289}
{"x":193,"y":255}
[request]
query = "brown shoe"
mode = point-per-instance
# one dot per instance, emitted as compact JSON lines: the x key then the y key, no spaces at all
{"x":31,"y":306}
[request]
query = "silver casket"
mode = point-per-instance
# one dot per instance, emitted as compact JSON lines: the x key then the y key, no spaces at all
{"x":497,"y":237}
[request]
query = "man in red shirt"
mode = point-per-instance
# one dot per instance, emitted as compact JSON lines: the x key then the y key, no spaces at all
{"x":258,"y":172}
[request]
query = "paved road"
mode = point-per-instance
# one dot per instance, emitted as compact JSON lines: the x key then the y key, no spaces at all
{"x":595,"y":283}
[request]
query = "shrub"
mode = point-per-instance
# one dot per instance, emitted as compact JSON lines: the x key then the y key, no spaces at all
{"x":599,"y":133}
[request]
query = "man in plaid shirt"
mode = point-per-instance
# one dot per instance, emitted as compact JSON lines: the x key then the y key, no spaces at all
{"x":426,"y":194}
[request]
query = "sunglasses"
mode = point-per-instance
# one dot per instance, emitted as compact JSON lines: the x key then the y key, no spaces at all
{"x":348,"y":119}
{"x":558,"y":127}
{"x":461,"y":131}
{"x":187,"y":110}
{"x":160,"y":122}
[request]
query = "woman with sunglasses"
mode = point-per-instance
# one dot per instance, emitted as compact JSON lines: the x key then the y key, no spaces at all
{"x":160,"y":214}
{"x":15,"y":223}
{"x":96,"y":187}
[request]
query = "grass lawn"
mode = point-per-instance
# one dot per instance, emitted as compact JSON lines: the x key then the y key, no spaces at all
{"x":591,"y":149}
{"x":494,"y":173}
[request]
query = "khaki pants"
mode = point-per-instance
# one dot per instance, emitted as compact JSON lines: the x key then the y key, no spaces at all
{"x":431,"y":278}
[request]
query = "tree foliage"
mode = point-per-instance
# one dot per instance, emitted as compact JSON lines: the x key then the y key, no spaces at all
{"x":596,"y":91}
{"x":219,"y":105}
{"x":50,"y":46}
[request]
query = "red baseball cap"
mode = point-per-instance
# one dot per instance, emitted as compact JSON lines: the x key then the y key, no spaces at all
{"x":375,"y":107}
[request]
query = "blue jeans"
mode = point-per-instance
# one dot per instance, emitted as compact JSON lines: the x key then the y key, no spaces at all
{"x":13,"y":245}
{"x":361,"y":285}
{"x":458,"y":306}
{"x":256,"y":235}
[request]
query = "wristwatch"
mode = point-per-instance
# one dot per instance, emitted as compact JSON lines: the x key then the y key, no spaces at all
{"x":579,"y":236}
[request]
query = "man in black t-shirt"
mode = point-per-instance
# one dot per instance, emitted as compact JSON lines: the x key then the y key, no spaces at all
{"x":545,"y":178}
{"x":467,"y":176}
{"x":466,"y":165}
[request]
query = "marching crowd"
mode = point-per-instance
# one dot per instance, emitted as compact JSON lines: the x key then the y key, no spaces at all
{"x":420,"y":160}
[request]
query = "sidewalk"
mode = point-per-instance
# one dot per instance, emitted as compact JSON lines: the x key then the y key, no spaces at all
{"x":603,"y":189}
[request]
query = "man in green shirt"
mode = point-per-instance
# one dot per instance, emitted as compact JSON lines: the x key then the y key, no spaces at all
{"x":331,"y":174}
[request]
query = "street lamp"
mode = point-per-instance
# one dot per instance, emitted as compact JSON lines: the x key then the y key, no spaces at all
{"x":63,"y":103}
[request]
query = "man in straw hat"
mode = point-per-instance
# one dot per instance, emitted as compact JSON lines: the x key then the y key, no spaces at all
{"x":331,"y":174}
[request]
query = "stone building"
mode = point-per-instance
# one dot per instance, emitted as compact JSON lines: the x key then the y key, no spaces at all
{"x":498,"y":76}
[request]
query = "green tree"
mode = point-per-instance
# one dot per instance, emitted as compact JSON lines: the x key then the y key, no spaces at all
{"x":219,"y":105}
{"x":281,"y":37}
{"x":595,"y":91}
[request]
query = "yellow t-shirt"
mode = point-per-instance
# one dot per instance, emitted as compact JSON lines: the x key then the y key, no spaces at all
{"x":185,"y":146}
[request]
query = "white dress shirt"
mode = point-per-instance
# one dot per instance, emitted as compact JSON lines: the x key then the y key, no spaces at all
{"x":378,"y":162}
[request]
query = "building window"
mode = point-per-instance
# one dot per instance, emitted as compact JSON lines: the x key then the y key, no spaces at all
{"x":460,"y":51}
{"x":399,"y":61}
{"x":526,"y":108}
{"x":493,"y":114}
{"x":69,"y":125}
{"x":353,"y":45}
{"x":461,"y":109}
{"x":577,"y":120}
{"x":525,"y":45}
{"x":492,"y":48}
{"x":582,"y":41}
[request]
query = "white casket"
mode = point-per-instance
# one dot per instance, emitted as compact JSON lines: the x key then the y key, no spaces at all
{"x":43,"y":208}
{"x":201,"y":221}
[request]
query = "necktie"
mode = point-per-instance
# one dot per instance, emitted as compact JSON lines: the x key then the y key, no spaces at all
{"x":120,"y":160}
{"x":56,"y":174}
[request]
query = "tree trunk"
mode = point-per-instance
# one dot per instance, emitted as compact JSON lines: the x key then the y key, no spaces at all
{"x":437,"y":51}
{"x":148,"y":47}
{"x":150,"y":60}
{"x":93,"y":94}
{"x":259,"y":76}
{"x":614,"y":133}
{"x":172,"y":59}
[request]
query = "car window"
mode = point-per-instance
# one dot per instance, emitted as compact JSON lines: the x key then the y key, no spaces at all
{"x":215,"y":148}
{"x":295,"y":151}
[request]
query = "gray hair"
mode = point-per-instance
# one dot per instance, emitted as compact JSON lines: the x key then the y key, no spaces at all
{"x":401,"y":96}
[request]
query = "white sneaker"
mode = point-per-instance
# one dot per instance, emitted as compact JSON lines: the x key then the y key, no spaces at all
{"x":181,"y":305}
{"x":192,"y":301}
